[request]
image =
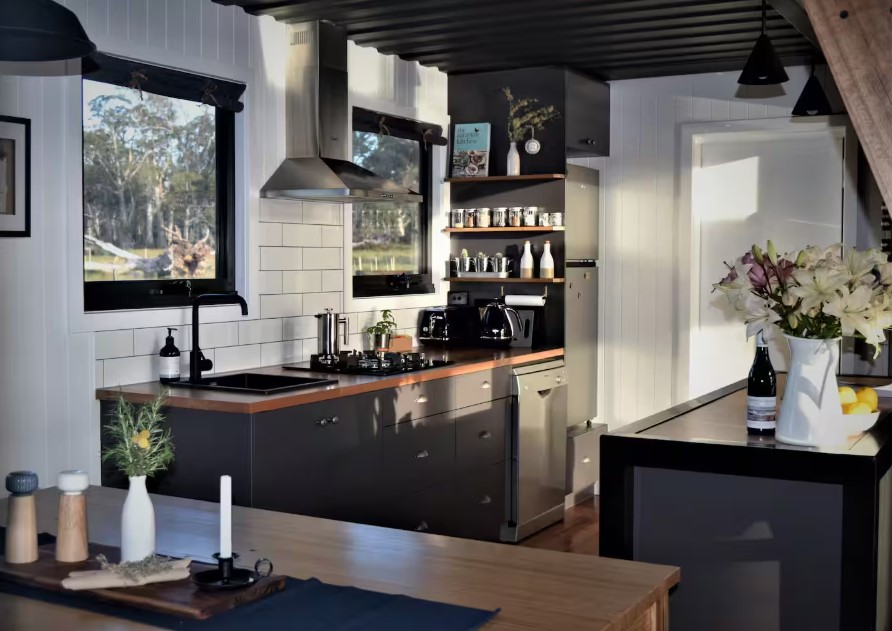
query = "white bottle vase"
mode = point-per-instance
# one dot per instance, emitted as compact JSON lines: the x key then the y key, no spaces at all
{"x":513,"y":165}
{"x":810,"y":413}
{"x":137,"y":522}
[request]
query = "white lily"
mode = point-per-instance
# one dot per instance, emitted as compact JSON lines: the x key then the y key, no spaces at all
{"x":853,"y":310}
{"x":740,"y":287}
{"x":858,"y":266}
{"x":816,"y":287}
{"x":885,"y":270}
{"x":759,"y":315}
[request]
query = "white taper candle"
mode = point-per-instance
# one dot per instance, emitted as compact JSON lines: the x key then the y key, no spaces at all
{"x":225,"y":516}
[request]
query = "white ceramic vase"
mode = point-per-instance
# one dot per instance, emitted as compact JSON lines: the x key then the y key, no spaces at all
{"x":137,"y":522}
{"x":810,"y":413}
{"x":513,"y":165}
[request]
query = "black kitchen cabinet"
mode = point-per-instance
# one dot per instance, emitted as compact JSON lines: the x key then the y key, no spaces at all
{"x":419,"y":454}
{"x":480,"y":503}
{"x":321,"y":459}
{"x":481,"y":434}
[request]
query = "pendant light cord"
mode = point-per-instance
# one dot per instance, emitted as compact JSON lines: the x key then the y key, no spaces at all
{"x":764,"y":15}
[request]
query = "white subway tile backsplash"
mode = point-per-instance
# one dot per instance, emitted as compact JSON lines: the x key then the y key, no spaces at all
{"x":322,"y":258}
{"x":286,"y":352}
{"x":281,"y":306}
{"x":317,"y":303}
{"x":269,"y":234}
{"x":236,"y":358}
{"x":332,"y":237}
{"x":301,"y":282}
{"x":281,"y":211}
{"x":269,"y":282}
{"x":150,"y":341}
{"x":272,"y":258}
{"x":217,"y":334}
{"x":114,"y":344}
{"x":322,"y":213}
{"x":300,"y":235}
{"x":299,"y":328}
{"x":259,"y":331}
{"x":125,"y":370}
{"x":332,"y":280}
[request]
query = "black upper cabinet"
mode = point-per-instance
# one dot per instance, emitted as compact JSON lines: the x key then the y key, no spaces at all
{"x":582,"y":130}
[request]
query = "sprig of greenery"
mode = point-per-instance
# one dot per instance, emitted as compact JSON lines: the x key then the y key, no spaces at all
{"x":521,"y":115}
{"x":140,"y":444}
{"x":384,"y":326}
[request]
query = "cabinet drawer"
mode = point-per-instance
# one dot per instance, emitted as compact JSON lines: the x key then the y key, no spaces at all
{"x":481,"y":386}
{"x":320,"y":459}
{"x":412,"y":401}
{"x":419,"y":453}
{"x":480,"y":434}
{"x":431,"y":510}
{"x":480,"y":506}
{"x":583,"y":459}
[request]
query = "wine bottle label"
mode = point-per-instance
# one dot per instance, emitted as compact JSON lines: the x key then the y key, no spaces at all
{"x":170,"y":368}
{"x":761,"y":412}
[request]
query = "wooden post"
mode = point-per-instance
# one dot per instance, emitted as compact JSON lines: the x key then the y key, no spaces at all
{"x":856,"y":39}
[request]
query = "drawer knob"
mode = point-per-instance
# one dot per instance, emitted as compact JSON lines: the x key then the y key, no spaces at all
{"x":335,"y":420}
{"x":322,"y":422}
{"x":586,"y":460}
{"x":422,"y":454}
{"x":485,"y":434}
{"x":422,"y":398}
{"x":485,"y":385}
{"x":486,"y":500}
{"x":422,"y":527}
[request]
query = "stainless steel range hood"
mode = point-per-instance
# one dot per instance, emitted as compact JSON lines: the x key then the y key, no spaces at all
{"x":319,"y":146}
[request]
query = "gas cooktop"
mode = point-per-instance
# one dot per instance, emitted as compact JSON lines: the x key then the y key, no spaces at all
{"x":373,"y":363}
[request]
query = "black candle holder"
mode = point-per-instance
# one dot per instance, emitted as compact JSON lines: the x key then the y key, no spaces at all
{"x":226,"y":576}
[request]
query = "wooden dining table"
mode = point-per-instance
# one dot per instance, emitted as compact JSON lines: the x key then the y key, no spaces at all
{"x":534,"y":589}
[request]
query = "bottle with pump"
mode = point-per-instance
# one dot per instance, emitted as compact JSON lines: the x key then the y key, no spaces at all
{"x":170,"y":360}
{"x":526,"y":261}
{"x":761,"y":391}
{"x":546,"y":262}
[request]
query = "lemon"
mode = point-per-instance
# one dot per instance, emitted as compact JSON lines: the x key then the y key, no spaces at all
{"x":856,"y":408}
{"x":868,"y":396}
{"x":847,"y":395}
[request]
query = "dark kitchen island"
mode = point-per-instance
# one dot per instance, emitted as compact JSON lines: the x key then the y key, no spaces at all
{"x":768,"y":536}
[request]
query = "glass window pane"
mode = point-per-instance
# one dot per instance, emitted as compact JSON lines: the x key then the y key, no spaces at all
{"x":150,"y":190}
{"x":386,"y":235}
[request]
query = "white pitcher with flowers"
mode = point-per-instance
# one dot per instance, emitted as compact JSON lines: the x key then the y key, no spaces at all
{"x":814,"y":297}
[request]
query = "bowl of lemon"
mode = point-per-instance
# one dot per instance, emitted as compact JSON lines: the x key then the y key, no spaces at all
{"x":860,"y":408}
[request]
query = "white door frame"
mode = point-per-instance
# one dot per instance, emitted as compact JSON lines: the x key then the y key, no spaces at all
{"x":687,"y":253}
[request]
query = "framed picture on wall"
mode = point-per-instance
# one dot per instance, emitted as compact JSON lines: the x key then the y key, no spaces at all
{"x":15,"y":177}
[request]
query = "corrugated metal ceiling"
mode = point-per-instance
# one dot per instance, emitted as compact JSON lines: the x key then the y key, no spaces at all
{"x":609,"y":39}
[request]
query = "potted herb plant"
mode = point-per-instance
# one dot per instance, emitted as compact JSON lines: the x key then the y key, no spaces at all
{"x":140,"y":445}
{"x":380,"y":332}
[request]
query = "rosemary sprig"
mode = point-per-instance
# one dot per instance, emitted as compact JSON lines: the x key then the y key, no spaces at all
{"x":140,"y":443}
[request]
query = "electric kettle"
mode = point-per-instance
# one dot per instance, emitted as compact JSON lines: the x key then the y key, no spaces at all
{"x":496,"y":325}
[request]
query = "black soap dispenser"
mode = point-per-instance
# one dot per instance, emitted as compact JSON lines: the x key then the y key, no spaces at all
{"x":170,"y":360}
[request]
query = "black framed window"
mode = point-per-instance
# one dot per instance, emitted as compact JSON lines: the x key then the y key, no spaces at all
{"x":159,"y":185}
{"x":391,"y":240}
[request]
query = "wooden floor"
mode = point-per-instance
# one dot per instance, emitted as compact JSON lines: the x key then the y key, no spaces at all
{"x":577,"y":533}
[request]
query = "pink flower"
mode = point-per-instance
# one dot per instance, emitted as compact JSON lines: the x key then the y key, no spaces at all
{"x":757,"y":274}
{"x":785,"y":270}
{"x":730,"y":278}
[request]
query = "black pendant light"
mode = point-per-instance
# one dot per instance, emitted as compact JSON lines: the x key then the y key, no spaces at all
{"x":813,"y":101}
{"x":763,"y":66}
{"x":40,"y":30}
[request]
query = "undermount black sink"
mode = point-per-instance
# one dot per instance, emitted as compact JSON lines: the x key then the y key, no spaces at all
{"x":255,"y":383}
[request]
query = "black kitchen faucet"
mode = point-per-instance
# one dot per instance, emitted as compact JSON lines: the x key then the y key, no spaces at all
{"x":197,"y":361}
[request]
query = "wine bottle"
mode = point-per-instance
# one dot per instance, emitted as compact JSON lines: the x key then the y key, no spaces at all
{"x":761,"y":392}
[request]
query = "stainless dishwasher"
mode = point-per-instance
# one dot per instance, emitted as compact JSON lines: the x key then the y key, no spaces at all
{"x":538,"y":470}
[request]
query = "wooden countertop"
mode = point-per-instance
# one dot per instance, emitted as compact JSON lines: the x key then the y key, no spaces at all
{"x":466,"y":361}
{"x":535,"y":589}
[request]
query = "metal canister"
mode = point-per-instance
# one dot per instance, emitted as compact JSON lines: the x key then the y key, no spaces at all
{"x":500,"y":217}
{"x":329,"y":342}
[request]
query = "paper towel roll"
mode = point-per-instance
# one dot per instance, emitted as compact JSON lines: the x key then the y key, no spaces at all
{"x":524,"y":301}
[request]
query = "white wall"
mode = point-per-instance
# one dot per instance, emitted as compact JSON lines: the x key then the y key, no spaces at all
{"x":638,"y":323}
{"x":52,"y":357}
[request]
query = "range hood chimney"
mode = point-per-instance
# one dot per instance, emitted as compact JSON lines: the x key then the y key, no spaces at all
{"x":318,"y":145}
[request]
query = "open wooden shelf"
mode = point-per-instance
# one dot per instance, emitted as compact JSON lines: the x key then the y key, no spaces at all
{"x":507,"y":229}
{"x":508,"y":178}
{"x":534,"y":281}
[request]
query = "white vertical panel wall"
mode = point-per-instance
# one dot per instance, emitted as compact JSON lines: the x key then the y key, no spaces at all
{"x":638,"y":320}
{"x":48,"y":373}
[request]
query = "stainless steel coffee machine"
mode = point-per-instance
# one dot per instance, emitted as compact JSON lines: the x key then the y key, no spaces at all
{"x":328,"y":338}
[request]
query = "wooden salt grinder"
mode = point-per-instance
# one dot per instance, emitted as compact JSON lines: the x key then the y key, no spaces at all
{"x":71,"y":546}
{"x":21,"y":518}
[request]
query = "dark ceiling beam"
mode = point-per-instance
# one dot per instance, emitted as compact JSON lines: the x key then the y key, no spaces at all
{"x":598,"y":36}
{"x":668,"y":69}
{"x":793,"y":13}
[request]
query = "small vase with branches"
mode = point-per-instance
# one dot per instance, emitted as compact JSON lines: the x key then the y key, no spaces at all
{"x":139,"y":445}
{"x":523,"y":115}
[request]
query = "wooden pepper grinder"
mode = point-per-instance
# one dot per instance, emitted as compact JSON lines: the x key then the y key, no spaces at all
{"x":71,"y":546}
{"x":21,"y":518}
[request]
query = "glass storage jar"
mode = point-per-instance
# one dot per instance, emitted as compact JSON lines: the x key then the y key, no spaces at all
{"x":500,"y":217}
{"x":484,"y":218}
{"x":515,"y":217}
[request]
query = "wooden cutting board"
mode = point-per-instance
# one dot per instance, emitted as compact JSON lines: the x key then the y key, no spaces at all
{"x":177,"y":598}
